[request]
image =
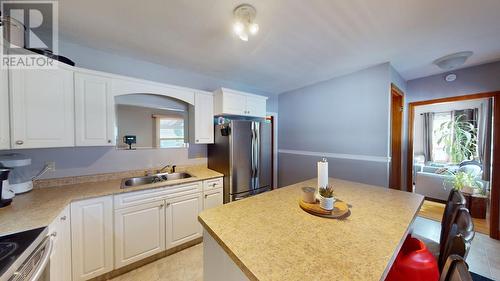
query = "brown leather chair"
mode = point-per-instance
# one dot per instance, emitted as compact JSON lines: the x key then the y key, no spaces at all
{"x":455,"y":269}
{"x":455,"y":201}
{"x":460,"y":236}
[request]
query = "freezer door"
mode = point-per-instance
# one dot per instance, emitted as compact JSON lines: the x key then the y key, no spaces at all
{"x":264,"y":169}
{"x":241,"y":157}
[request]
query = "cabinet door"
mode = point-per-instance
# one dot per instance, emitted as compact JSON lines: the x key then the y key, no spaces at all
{"x":233,"y":103}
{"x":94,"y":111}
{"x":213,"y":198}
{"x":182,"y":219}
{"x":42,"y":108}
{"x":139,"y":232}
{"x":4,"y":109}
{"x":256,"y":106}
{"x":92,"y":237}
{"x":60,"y":259}
{"x":203,"y":118}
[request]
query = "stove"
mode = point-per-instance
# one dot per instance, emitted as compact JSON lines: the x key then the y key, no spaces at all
{"x":17,"y":248}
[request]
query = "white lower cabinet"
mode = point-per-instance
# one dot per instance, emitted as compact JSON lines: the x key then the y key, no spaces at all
{"x":111,"y":232}
{"x":92,"y":237}
{"x":60,"y":259}
{"x":139,"y":232}
{"x":182,"y":219}
{"x":213,"y":198}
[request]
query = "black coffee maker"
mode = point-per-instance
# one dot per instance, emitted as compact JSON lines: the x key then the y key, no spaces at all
{"x":4,"y":175}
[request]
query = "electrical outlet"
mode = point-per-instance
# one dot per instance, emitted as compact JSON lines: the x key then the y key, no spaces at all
{"x":51,"y":165}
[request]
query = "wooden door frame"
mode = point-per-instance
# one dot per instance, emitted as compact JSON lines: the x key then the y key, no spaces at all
{"x":396,"y":177}
{"x":495,"y":159}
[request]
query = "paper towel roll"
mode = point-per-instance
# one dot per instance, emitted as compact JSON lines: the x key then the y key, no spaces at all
{"x":322,"y":173}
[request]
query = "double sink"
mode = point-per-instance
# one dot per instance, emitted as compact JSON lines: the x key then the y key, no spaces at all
{"x":156,"y":178}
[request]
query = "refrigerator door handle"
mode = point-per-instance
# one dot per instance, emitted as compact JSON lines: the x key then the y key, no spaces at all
{"x":257,"y":154}
{"x":253,"y":156}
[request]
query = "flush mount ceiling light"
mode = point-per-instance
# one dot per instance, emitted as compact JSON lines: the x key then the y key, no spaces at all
{"x":244,"y":25}
{"x":453,"y":61}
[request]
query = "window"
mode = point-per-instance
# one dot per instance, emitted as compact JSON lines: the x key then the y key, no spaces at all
{"x":169,"y":131}
{"x":439,"y":153}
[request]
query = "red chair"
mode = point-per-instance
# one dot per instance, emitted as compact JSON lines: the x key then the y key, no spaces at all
{"x":414,"y":263}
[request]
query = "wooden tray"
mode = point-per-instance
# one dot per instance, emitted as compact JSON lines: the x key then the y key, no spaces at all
{"x":340,"y":209}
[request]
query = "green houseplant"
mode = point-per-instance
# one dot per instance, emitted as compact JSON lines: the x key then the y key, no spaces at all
{"x":459,"y":138}
{"x":466,"y":183}
{"x":326,"y":199}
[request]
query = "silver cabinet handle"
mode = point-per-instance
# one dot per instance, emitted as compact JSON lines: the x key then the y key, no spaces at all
{"x":162,"y":205}
{"x":214,"y":184}
{"x":19,"y":142}
{"x":63,"y":218}
{"x":54,"y":234}
{"x":197,"y":140}
{"x":109,"y":141}
{"x":206,"y":195}
{"x":168,"y":204}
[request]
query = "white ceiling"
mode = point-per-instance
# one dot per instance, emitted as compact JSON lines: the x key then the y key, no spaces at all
{"x":300,"y":41}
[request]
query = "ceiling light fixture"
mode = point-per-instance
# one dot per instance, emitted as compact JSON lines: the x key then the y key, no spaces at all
{"x":244,"y":16}
{"x":453,"y":61}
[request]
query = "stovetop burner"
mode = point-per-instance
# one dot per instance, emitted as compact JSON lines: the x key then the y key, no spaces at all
{"x":12,"y":246}
{"x":7,"y":248}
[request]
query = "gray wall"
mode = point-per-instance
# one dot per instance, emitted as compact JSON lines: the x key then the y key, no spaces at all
{"x":472,"y":80}
{"x":138,"y":121}
{"x":76,"y":161}
{"x":91,"y":160}
{"x":348,"y":115}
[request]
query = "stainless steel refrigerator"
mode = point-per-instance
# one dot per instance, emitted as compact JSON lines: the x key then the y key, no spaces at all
{"x":242,"y":151}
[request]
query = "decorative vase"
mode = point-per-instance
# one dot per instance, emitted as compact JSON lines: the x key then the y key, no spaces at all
{"x":326,"y":203}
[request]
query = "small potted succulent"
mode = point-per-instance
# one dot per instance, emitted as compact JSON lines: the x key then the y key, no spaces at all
{"x":326,"y":199}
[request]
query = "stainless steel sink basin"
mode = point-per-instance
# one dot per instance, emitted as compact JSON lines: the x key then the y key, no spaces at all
{"x":131,"y":182}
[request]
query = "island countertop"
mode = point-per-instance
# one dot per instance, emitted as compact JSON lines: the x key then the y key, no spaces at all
{"x":269,"y":237}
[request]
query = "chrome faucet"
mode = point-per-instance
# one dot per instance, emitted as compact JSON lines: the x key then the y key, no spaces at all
{"x":172,"y":169}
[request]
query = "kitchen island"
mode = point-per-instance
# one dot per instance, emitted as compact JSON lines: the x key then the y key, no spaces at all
{"x":269,"y":237}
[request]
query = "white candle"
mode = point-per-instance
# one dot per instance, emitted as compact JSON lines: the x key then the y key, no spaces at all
{"x":322,"y":173}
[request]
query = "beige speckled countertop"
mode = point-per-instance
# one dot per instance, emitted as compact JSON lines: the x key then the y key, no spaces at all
{"x":271,"y":238}
{"x":40,"y":207}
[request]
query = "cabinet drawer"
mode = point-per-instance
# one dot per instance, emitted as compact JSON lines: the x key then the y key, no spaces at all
{"x":213,"y":184}
{"x":151,"y":195}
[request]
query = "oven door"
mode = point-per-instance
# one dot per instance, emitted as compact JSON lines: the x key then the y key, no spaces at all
{"x":36,"y":267}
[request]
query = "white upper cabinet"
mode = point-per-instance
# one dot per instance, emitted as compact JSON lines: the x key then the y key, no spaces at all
{"x":4,"y":109}
{"x":94,"y":111}
{"x":202,"y":118}
{"x":231,"y":102}
{"x":42,"y":108}
{"x":256,"y":106}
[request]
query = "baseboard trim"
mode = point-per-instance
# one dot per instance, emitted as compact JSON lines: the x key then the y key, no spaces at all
{"x":359,"y":157}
